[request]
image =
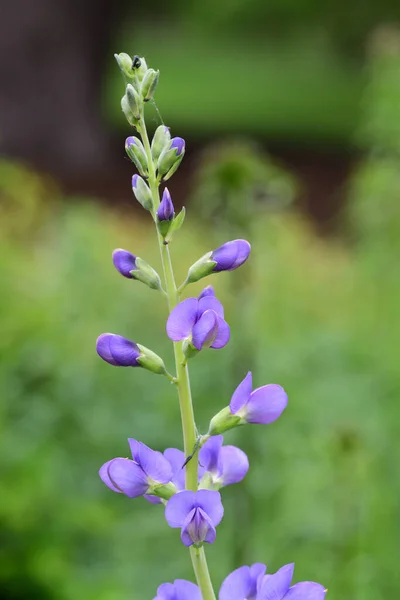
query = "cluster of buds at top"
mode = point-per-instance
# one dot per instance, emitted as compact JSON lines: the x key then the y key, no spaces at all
{"x":140,"y":87}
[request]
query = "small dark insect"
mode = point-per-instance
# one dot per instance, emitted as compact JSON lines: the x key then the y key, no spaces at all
{"x":136,"y":62}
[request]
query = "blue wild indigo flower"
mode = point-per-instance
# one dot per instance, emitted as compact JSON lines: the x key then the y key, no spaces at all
{"x":124,"y":262}
{"x":117,"y":350}
{"x":223,"y":465}
{"x":227,"y":257}
{"x":196,"y":514}
{"x":251,"y":583}
{"x":147,"y":471}
{"x":200,"y":321}
{"x":165,"y":211}
{"x":179,"y":590}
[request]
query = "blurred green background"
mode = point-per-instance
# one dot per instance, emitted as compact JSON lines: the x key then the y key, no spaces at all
{"x":318,"y":314}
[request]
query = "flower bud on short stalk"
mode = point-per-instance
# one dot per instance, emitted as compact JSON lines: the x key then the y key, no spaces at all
{"x":134,"y":101}
{"x":227,"y":257}
{"x":125,"y":64}
{"x":160,"y":141}
{"x":149,"y":84}
{"x":121,"y":352}
{"x":142,"y":192}
{"x":135,"y":150}
{"x":171,"y":157}
{"x":126,"y":109}
{"x":134,"y":267}
{"x":165,"y":213}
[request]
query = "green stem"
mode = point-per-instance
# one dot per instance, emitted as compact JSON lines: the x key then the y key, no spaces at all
{"x":182,"y":378}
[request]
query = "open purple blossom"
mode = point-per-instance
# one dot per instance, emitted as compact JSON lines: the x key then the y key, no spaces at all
{"x":165,"y":211}
{"x":230,"y":255}
{"x":223,"y":465}
{"x":196,"y":514}
{"x":179,"y":590}
{"x":200,"y":321}
{"x":147,"y":469}
{"x":263,"y":405}
{"x":176,"y":459}
{"x":251,"y":583}
{"x":117,"y":350}
{"x":124,"y":262}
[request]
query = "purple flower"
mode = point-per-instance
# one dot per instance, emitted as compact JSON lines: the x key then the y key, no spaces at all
{"x":264,"y":405}
{"x":196,"y":514}
{"x":224,"y":465}
{"x":200,"y":321}
{"x":165,"y":211}
{"x":179,"y":144}
{"x":243,"y":583}
{"x":231,"y":255}
{"x":179,"y":590}
{"x":124,"y":261}
{"x":117,"y":350}
{"x":138,"y":476}
{"x":251,"y":583}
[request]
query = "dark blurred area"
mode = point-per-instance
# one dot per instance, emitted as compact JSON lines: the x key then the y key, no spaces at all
{"x":291,"y":115}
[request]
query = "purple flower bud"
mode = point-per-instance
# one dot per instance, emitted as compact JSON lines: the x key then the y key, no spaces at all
{"x":196,"y":514}
{"x":263,"y":405}
{"x":124,"y":261}
{"x":117,"y":350}
{"x":136,"y":477}
{"x":179,"y":590}
{"x":134,"y":180}
{"x":165,"y":211}
{"x":130,"y":141}
{"x":179,"y":144}
{"x":231,"y":255}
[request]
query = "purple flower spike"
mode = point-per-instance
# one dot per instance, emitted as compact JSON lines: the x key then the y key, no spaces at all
{"x":251,"y":583}
{"x":124,"y":261}
{"x":231,"y":255}
{"x":224,"y":465}
{"x":244,"y":583}
{"x":263,"y":406}
{"x":179,"y":590}
{"x":200,"y":321}
{"x":117,"y":350}
{"x":165,"y":211}
{"x":135,"y":477}
{"x":197,"y":514}
{"x":179,"y":144}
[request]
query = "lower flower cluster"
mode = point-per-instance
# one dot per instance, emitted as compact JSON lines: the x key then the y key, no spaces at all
{"x":249,"y":583}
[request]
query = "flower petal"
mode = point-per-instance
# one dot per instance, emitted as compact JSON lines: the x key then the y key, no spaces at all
{"x":243,"y":251}
{"x":233,"y":465}
{"x":182,"y":319}
{"x":198,"y":528}
{"x":208,"y":291}
{"x":127,"y":476}
{"x":186,"y":590}
{"x":124,"y":262}
{"x":266,"y":404}
{"x":239,"y":585}
{"x":223,"y":334}
{"x":166,"y":591}
{"x":152,"y":499}
{"x":242,"y":394}
{"x":306,"y":590}
{"x":104,"y":476}
{"x":209,"y":453}
{"x":257,"y":573}
{"x":276,"y":585}
{"x":154,"y":464}
{"x":211,"y":302}
{"x":231,"y":255}
{"x":178,"y":507}
{"x":205,"y":330}
{"x":134,"y":446}
{"x":211,"y":504}
{"x":176,"y":458}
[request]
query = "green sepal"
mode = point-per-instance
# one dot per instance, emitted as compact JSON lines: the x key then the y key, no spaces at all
{"x":167,"y":160}
{"x":143,"y":194}
{"x":223,"y":421}
{"x":176,"y":224}
{"x":189,"y":350}
{"x":174,"y":167}
{"x":134,"y":101}
{"x":138,"y":156}
{"x":201,"y":268}
{"x":146,"y":274}
{"x":207,"y":483}
{"x":163,"y":226}
{"x":151,"y":361}
{"x":126,"y":109}
{"x":164,"y":491}
{"x":149,"y":84}
{"x":161,"y":140}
